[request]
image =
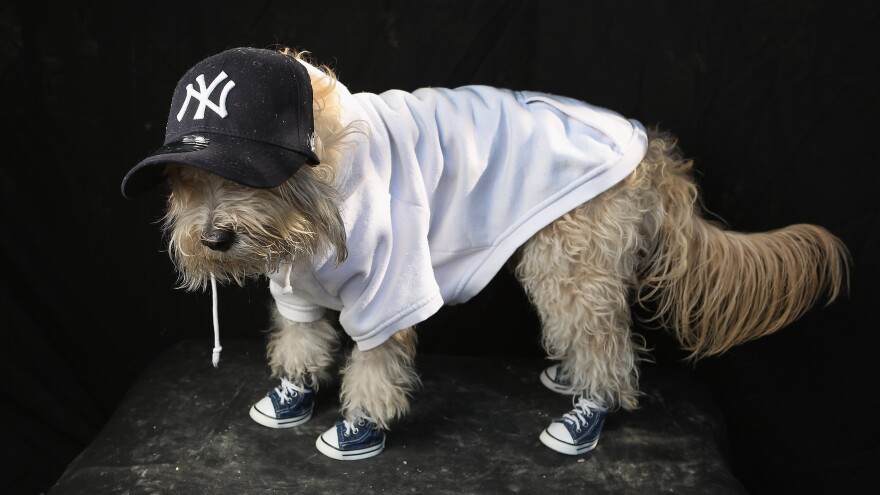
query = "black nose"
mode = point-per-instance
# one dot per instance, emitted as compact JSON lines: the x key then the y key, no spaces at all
{"x":218,"y":239}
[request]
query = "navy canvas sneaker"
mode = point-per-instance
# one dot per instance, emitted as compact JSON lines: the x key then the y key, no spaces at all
{"x":352,"y":440}
{"x":287,"y":405}
{"x":576,"y":432}
{"x":552,"y":379}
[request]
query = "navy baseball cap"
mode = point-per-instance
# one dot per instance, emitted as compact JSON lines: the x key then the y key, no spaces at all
{"x":244,"y":114}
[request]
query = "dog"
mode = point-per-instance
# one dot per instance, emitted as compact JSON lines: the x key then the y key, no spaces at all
{"x":369,"y":212}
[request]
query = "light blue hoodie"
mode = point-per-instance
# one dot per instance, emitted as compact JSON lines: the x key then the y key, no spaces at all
{"x":443,"y":190}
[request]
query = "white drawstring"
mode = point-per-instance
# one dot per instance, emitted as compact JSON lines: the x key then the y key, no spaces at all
{"x":216,"y":357}
{"x":287,"y":289}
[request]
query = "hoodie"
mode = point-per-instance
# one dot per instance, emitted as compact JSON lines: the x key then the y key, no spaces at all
{"x":444,"y":188}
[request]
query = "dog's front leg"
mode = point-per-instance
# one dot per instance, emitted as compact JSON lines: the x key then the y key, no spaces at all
{"x":304,"y":352}
{"x":300,"y":355}
{"x":376,"y":387}
{"x":377,"y":383}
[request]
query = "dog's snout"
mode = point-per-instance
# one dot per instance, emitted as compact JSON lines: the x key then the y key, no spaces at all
{"x":218,"y":239}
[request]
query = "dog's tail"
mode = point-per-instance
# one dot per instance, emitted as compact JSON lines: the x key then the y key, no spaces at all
{"x":716,"y":288}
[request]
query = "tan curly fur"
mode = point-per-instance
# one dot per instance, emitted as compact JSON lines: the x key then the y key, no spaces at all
{"x":378,"y":383}
{"x":717,"y":288}
{"x":305,"y":352}
{"x":644,"y":240}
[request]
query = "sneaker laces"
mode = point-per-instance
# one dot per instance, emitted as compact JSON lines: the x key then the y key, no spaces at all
{"x":583,"y":409}
{"x":288,"y":390}
{"x":352,"y":426}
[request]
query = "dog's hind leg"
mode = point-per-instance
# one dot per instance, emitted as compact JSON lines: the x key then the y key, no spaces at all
{"x":579,"y":273}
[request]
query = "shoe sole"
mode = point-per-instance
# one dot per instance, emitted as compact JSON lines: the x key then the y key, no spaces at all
{"x":565,"y":447}
{"x":549,"y":383}
{"x":351,"y":455}
{"x":271,"y":422}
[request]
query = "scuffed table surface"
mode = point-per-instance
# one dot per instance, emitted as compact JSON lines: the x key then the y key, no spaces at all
{"x":184,"y":428}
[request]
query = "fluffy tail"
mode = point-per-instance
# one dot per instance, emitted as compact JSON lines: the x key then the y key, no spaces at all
{"x":716,"y":288}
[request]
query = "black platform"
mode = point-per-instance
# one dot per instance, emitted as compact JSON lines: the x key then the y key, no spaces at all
{"x":184,"y":428}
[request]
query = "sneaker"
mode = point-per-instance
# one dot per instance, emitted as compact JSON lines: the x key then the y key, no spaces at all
{"x":552,"y":379}
{"x":286,"y":406}
{"x":352,"y":440}
{"x":576,"y":432}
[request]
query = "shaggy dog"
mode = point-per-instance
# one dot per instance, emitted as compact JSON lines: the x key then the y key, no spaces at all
{"x":640,"y":239}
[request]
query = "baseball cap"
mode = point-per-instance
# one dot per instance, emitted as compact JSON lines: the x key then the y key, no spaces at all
{"x":244,"y":114}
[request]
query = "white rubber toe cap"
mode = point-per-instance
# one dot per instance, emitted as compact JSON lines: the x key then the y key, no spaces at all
{"x":263,"y":412}
{"x":330,"y":438}
{"x":264,"y":406}
{"x":557,"y":437}
{"x":560,"y":432}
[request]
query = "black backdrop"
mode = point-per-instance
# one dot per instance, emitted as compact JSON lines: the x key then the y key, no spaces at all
{"x":776,"y":100}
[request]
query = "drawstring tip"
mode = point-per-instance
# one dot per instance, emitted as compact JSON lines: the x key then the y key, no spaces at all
{"x":216,"y":357}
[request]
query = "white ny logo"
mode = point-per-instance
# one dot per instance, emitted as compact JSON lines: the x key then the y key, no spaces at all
{"x":204,"y":94}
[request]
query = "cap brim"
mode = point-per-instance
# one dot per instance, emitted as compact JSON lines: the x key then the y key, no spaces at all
{"x":246,"y":162}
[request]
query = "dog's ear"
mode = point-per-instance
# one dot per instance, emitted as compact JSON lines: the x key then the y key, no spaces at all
{"x":317,"y":222}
